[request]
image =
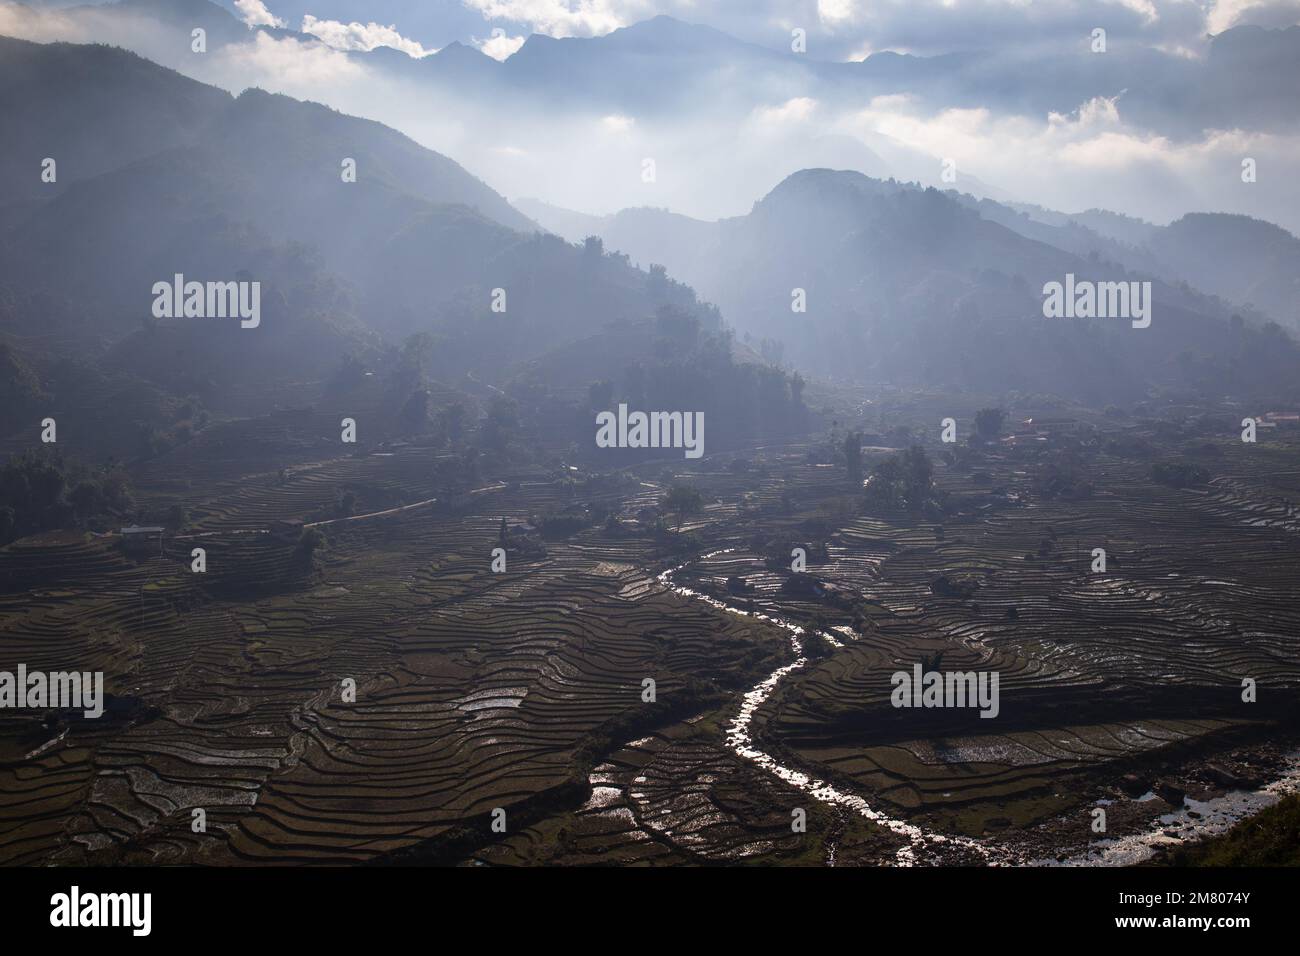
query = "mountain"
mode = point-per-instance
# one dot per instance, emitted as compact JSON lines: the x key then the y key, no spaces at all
{"x":909,"y":285}
{"x":252,"y":188}
{"x":1240,"y":259}
{"x":57,"y":110}
{"x":91,"y":109}
{"x":670,"y":90}
{"x":1252,"y":265}
{"x":663,"y":63}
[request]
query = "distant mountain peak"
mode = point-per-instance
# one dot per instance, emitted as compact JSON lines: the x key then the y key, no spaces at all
{"x":663,"y":31}
{"x":197,"y":10}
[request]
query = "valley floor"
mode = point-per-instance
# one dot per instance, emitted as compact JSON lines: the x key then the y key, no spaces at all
{"x":526,"y":691}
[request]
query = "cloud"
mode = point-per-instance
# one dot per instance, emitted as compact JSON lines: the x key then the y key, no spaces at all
{"x":1089,"y":157}
{"x":1021,"y":121}
{"x":567,"y":18}
{"x":290,"y":65}
{"x":1224,"y":14}
{"x":1144,"y":8}
{"x":617,"y":124}
{"x":796,"y":110}
{"x":358,"y":36}
{"x":499,"y":46}
{"x":836,"y":11}
{"x":255,"y":14}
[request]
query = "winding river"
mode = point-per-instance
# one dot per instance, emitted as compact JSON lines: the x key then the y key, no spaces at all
{"x":1194,"y":820}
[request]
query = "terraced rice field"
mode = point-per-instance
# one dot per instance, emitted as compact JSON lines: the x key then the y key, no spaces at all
{"x":525,"y":691}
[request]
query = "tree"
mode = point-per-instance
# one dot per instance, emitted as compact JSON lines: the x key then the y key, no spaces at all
{"x":85,"y":499}
{"x":853,"y":458}
{"x":902,"y":479}
{"x":451,"y":421}
{"x":657,"y":283}
{"x":677,"y":325}
{"x":43,"y":491}
{"x":416,"y":351}
{"x":918,"y":477}
{"x":600,"y":395}
{"x":797,"y":384}
{"x":988,"y":423}
{"x":815,"y":645}
{"x":415,"y":413}
{"x":177,"y":517}
{"x":309,"y":542}
{"x":501,"y":424}
{"x":350,"y":373}
{"x":683,"y":500}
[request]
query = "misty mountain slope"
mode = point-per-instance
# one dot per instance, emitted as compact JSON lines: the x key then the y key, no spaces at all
{"x":1249,"y":263}
{"x":21,"y":392}
{"x":1069,"y":233}
{"x":91,"y":109}
{"x":550,"y":292}
{"x":287,"y":141}
{"x":741,"y":116}
{"x":1241,"y":259}
{"x":567,"y":223}
{"x":671,"y":362}
{"x":406,"y":265}
{"x":410,"y":246}
{"x":906,"y":285}
{"x":105,"y":241}
{"x":179,"y":16}
{"x":663,"y":62}
{"x":652,"y":66}
{"x":287,"y":149}
{"x":1126,"y":229}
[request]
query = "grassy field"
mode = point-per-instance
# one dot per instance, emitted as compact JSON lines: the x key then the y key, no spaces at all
{"x":1270,"y":838}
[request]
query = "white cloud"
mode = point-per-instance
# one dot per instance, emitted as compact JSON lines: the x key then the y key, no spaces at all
{"x":359,"y":36}
{"x":288,"y":64}
{"x":1098,"y":111}
{"x":796,"y":110}
{"x":616,"y":123}
{"x":566,"y":18}
{"x":499,"y":46}
{"x":836,"y":11}
{"x":860,"y":53}
{"x":255,"y":14}
{"x":1089,"y":157}
{"x":1224,"y":14}
{"x":1144,"y":8}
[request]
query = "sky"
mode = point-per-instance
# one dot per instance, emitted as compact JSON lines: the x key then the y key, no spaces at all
{"x":1096,"y":144}
{"x":836,"y":29}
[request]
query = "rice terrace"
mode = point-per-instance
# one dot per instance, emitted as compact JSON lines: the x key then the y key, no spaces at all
{"x":523,"y":689}
{"x":604,"y":435}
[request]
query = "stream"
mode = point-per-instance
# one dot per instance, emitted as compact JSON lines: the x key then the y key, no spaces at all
{"x":1212,"y":816}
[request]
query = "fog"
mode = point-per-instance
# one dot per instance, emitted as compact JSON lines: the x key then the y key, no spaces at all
{"x":725,"y":121}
